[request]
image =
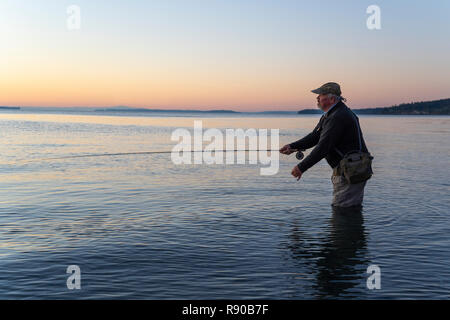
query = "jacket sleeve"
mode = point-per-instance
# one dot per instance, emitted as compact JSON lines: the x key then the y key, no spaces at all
{"x":332,"y":131}
{"x":308,"y":141}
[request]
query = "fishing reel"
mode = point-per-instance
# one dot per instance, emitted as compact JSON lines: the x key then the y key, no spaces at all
{"x":299,"y":155}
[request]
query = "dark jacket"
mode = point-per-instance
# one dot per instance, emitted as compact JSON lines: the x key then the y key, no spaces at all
{"x":336,"y":129}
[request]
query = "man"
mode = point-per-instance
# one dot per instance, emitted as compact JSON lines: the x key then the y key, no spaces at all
{"x":336,"y":134}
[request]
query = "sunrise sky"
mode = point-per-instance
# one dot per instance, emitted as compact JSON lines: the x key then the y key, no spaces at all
{"x":246,"y":55}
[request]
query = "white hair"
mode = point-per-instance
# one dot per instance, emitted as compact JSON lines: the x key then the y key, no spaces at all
{"x":336,"y":97}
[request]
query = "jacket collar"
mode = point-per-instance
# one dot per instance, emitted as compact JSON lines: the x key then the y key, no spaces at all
{"x":338,"y":105}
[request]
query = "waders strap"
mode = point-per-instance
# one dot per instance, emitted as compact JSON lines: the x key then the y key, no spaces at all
{"x":359,"y":135}
{"x":337,"y":171}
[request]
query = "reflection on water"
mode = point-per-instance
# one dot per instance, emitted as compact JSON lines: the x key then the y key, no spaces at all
{"x":343,"y":253}
{"x":337,"y":260}
{"x":141,"y":227}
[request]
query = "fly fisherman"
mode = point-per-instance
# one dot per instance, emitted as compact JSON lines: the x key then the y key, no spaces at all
{"x":337,"y":138}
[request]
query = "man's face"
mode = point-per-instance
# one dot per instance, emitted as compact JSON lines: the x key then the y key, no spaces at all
{"x":324,"y":102}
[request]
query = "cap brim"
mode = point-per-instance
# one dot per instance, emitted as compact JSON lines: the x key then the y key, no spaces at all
{"x":316,"y":91}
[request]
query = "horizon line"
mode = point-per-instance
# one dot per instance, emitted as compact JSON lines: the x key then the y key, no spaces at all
{"x":206,"y":110}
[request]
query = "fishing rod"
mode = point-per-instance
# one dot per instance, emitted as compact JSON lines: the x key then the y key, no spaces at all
{"x":299,"y":155}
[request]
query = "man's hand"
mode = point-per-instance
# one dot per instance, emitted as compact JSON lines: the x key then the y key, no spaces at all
{"x":287,"y":150}
{"x":296,"y":173}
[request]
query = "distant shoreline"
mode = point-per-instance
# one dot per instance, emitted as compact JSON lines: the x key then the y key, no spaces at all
{"x":435,"y":107}
{"x":160,"y":110}
{"x":148,"y":111}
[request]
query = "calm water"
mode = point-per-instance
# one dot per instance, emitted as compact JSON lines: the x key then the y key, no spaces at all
{"x":141,"y":227}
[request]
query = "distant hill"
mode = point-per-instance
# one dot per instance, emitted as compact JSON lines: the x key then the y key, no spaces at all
{"x":127,"y":109}
{"x":310,"y":111}
{"x":435,"y":107}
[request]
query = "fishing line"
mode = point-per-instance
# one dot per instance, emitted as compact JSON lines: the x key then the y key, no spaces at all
{"x":299,"y":155}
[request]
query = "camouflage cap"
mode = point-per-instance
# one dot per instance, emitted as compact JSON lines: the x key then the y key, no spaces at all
{"x":330,"y":87}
